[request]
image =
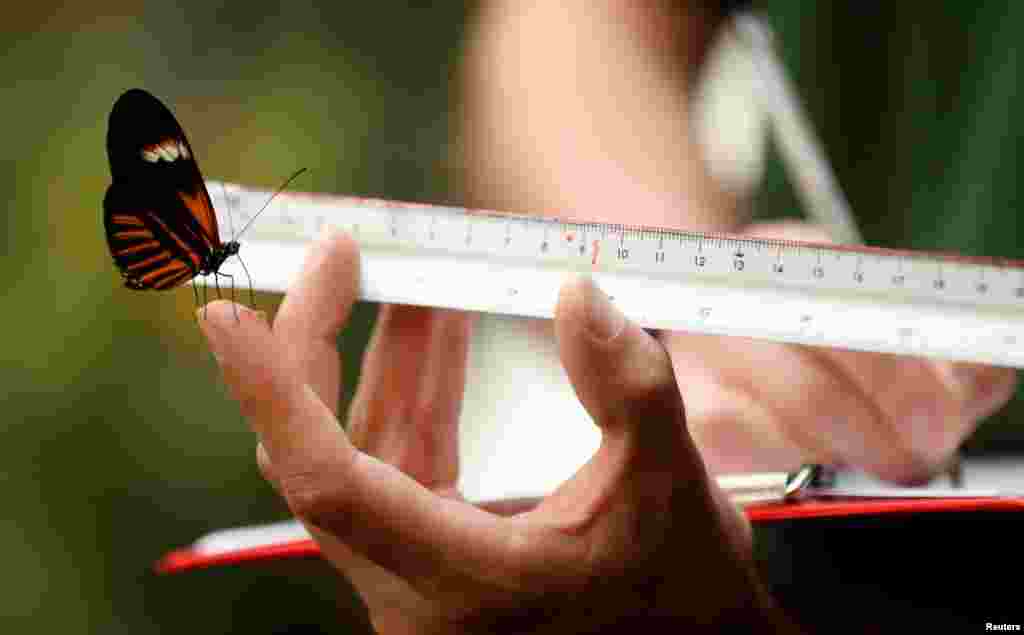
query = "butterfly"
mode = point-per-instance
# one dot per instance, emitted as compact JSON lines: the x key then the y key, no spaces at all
{"x":160,"y":222}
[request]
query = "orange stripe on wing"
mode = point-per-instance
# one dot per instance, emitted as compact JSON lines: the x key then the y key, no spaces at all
{"x":202,"y":210}
{"x":148,"y":262}
{"x":193,"y":256}
{"x":173,"y":281}
{"x":175,"y":267}
{"x":134,"y":249}
{"x":129,"y":234}
{"x":123,"y":219}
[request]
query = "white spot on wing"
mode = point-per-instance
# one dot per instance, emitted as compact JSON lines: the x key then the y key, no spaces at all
{"x":167,"y":152}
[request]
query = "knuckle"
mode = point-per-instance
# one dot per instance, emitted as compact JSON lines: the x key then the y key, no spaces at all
{"x":309,"y":494}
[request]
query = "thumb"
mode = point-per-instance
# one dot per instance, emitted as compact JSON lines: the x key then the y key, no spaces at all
{"x":621,"y":374}
{"x":625,"y":380}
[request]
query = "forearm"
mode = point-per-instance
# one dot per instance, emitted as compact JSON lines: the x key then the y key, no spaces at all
{"x":584,"y":108}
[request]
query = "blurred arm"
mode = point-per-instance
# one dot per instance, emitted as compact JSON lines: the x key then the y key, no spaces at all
{"x":585,"y":108}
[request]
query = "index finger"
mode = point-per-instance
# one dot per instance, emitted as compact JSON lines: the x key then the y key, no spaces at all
{"x":315,"y":310}
{"x":368,"y":504}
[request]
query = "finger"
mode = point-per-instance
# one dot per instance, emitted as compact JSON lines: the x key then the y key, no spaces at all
{"x":624,"y":379}
{"x":268,"y":384}
{"x":335,"y":551}
{"x":617,"y":369}
{"x":406,"y":408}
{"x":370,"y":505}
{"x":979,"y":389}
{"x":928,"y":406}
{"x":316,"y":308}
{"x":762,"y":406}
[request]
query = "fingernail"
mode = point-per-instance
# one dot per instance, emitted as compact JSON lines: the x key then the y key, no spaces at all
{"x":326,"y":232}
{"x":603,"y":319}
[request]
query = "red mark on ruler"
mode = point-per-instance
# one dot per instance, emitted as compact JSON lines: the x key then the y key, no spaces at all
{"x":569,"y":237}
{"x":597,"y":248}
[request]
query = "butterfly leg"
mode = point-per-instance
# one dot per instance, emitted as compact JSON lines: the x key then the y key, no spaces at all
{"x":195,"y":293}
{"x":199,"y":326}
{"x":230,"y":277}
{"x":252,"y":294}
{"x":206,"y":291}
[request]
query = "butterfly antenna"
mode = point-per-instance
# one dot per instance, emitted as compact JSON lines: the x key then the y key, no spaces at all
{"x":272,"y":196}
{"x":227,"y":202}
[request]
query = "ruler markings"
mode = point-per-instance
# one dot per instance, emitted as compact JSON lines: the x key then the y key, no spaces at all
{"x":861,"y":298}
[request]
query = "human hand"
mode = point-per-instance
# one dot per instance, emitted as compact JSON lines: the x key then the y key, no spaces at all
{"x":639,"y":533}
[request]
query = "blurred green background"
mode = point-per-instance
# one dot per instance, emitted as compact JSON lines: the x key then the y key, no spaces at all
{"x":117,"y":440}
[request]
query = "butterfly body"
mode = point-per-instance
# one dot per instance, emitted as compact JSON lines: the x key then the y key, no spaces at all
{"x":160,"y":222}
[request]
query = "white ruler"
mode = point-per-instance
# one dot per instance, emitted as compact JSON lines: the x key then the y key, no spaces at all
{"x":946,"y":306}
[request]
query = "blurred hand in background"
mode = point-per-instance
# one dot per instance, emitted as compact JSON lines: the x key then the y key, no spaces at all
{"x":586,"y":108}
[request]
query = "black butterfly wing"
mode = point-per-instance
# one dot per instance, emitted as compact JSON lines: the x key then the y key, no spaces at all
{"x":150,"y":154}
{"x":150,"y":251}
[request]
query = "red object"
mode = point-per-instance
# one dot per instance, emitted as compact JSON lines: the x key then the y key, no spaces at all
{"x":853,"y":506}
{"x":190,"y":558}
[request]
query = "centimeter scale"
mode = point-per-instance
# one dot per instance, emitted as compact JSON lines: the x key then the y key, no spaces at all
{"x":858,"y":298}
